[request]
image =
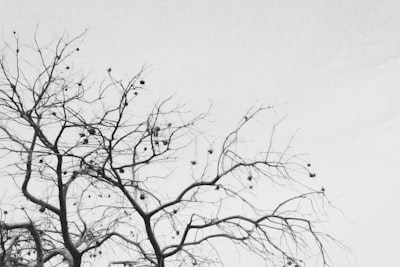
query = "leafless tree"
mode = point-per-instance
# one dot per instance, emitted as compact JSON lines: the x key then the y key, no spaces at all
{"x":91,"y":170}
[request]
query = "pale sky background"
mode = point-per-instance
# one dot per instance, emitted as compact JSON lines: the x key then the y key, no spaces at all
{"x":332,"y":67}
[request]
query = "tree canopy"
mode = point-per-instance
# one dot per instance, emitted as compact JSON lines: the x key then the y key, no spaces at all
{"x":94,"y":174}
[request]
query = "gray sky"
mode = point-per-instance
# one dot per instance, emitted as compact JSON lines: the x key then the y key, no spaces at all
{"x":331,"y":67}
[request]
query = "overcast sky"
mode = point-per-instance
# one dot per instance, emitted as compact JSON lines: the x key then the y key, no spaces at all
{"x":331,"y":67}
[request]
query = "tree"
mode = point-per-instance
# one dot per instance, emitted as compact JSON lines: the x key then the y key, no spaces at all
{"x":93,"y":172}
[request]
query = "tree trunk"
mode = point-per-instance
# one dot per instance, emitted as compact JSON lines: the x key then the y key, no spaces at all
{"x":77,"y":261}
